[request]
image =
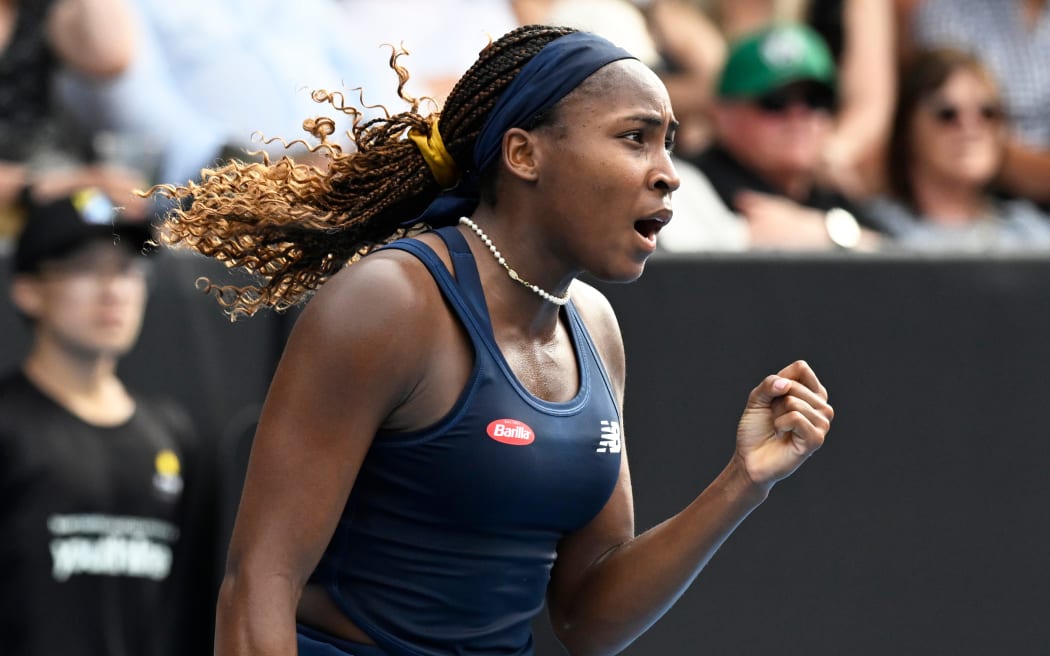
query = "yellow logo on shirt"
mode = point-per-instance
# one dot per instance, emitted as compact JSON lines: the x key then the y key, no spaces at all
{"x":167,"y":463}
{"x":168,"y":478}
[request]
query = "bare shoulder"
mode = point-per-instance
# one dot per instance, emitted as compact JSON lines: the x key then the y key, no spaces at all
{"x":600,"y":318}
{"x":384,"y":284}
{"x":374,"y":310}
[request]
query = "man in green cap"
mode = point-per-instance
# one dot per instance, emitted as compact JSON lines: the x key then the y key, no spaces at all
{"x":776,"y":99}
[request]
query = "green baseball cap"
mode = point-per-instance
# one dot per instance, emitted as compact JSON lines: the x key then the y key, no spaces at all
{"x":774,"y":57}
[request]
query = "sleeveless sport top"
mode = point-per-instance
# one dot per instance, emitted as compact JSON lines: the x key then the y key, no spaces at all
{"x":448,"y":537}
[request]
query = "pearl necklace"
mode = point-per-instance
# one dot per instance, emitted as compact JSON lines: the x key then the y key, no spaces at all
{"x":547,"y":296}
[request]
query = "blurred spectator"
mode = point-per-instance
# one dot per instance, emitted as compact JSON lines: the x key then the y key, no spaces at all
{"x":212,"y":78}
{"x":39,"y":157}
{"x":444,"y":38}
{"x":861,"y":37}
{"x":99,"y":486}
{"x":737,"y":18}
{"x":947,"y":146}
{"x":1012,"y":38}
{"x":775,"y":111}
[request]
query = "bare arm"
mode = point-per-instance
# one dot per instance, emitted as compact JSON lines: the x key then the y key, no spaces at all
{"x":738,"y":17}
{"x":695,"y":45}
{"x":608,"y":586}
{"x":342,"y":374}
{"x":93,"y":37}
{"x":867,"y":96}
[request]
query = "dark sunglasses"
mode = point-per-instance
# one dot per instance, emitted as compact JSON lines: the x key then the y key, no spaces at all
{"x":778,"y":102}
{"x":946,"y":114}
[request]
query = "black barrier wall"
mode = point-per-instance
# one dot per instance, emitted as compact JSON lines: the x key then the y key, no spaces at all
{"x":920,"y":528}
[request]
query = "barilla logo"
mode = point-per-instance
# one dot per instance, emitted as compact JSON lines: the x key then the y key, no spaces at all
{"x":511,"y":431}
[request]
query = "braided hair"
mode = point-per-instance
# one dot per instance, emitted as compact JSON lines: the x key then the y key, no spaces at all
{"x":293,"y":225}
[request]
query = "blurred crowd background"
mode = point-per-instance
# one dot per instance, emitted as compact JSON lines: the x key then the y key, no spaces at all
{"x":805,"y":124}
{"x":862,"y":127}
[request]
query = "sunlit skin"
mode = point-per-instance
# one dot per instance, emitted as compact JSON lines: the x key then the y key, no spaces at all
{"x":590,"y":184}
{"x":783,"y":148}
{"x":966,"y":153}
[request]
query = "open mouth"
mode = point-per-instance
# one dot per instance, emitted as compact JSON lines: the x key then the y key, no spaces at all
{"x":648,"y":228}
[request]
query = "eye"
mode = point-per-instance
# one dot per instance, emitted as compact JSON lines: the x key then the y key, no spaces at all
{"x":634,"y":135}
{"x":670,"y":137}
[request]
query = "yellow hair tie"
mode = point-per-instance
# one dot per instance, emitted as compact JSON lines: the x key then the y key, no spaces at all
{"x":437,"y":158}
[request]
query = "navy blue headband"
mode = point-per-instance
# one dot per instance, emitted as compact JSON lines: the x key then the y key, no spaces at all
{"x":545,"y":79}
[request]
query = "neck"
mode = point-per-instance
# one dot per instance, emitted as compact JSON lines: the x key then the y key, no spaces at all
{"x":947,"y":202}
{"x":555,"y":296}
{"x":86,"y":386}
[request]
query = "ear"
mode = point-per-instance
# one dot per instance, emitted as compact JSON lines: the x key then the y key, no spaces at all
{"x":520,"y":154}
{"x":26,"y":295}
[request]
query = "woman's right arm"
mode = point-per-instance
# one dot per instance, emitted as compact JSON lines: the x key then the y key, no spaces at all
{"x":354,"y":356}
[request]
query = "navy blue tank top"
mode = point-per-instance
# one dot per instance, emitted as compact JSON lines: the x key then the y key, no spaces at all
{"x":448,"y":537}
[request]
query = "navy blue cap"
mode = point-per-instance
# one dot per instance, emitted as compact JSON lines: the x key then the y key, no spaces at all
{"x":59,"y":227}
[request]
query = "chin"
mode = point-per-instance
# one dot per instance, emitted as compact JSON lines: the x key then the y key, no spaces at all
{"x":621,"y":275}
{"x":977,"y":178}
{"x":114,"y":348}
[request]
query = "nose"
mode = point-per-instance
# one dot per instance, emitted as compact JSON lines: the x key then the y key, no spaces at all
{"x":972,"y":123}
{"x":798,"y":109}
{"x":665,"y":175}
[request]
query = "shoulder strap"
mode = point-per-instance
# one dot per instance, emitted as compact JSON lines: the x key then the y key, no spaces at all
{"x":466,"y":270}
{"x":462,"y":292}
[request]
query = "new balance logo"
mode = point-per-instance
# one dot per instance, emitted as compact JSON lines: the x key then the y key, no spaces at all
{"x":609,"y":441}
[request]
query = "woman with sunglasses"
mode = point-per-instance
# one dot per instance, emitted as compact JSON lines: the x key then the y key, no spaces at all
{"x":1012,"y":38}
{"x":946,"y":151}
{"x":441,"y":449}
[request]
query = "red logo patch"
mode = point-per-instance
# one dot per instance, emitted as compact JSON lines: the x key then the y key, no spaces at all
{"x":511,"y":431}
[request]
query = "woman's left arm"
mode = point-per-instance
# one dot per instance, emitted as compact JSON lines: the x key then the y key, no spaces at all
{"x":609,"y":586}
{"x":867,"y":90}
